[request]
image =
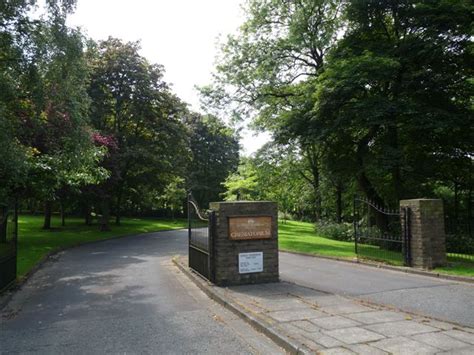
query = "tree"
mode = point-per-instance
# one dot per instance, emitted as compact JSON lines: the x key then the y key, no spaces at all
{"x":44,"y":106}
{"x":215,"y":155}
{"x":242,"y":184}
{"x":282,"y":176}
{"x":269,"y":70}
{"x":396,"y":93}
{"x":373,"y":92}
{"x":132,"y":105}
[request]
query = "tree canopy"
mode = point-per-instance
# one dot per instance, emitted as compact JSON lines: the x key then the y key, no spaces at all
{"x":376,"y":95}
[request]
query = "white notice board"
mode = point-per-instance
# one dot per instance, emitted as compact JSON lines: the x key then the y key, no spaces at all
{"x":250,"y":262}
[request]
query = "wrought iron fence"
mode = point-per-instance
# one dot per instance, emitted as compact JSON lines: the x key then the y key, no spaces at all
{"x":8,"y":244}
{"x":460,"y":240}
{"x":378,"y":233}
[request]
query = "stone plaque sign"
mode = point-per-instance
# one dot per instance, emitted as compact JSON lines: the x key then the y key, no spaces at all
{"x":250,"y":262}
{"x":248,"y":228}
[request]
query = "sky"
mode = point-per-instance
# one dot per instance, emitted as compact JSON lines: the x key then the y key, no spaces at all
{"x":182,"y":35}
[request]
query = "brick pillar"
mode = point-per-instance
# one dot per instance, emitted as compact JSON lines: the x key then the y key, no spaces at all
{"x":227,"y":250}
{"x":428,"y":239}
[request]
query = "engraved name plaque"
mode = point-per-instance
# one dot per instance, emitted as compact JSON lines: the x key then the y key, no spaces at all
{"x":250,"y":228}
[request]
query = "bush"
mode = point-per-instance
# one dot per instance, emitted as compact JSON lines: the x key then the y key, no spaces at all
{"x":336,"y":231}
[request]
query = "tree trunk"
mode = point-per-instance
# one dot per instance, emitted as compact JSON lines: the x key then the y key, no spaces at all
{"x":456,"y":201}
{"x":104,"y":220}
{"x":338,"y":203}
{"x":63,"y":216}
{"x":312,"y":157}
{"x":48,"y":206}
{"x":87,"y":215}
{"x":118,"y":207}
{"x":469,"y":211}
{"x":3,"y":224}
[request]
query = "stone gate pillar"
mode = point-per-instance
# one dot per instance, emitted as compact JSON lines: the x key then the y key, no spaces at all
{"x":428,"y":239}
{"x":245,"y":246}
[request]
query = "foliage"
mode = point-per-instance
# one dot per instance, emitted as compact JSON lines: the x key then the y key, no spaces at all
{"x":215,"y":155}
{"x":242,"y":185}
{"x":174,"y":194}
{"x":376,"y":95}
{"x":92,"y":128}
{"x":133,"y":107}
{"x":336,"y":231}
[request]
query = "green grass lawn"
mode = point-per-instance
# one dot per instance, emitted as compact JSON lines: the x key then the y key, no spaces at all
{"x":34,"y":243}
{"x":301,"y":237}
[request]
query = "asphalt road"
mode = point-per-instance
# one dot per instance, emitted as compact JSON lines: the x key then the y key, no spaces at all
{"x":125,"y":296}
{"x":437,"y":298}
{"x":122,"y":296}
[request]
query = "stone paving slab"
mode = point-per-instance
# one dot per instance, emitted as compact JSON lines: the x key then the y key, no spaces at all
{"x":331,"y":324}
{"x":404,"y":345}
{"x":440,"y":340}
{"x":295,"y":314}
{"x":335,"y":322}
{"x":401,"y":328}
{"x":374,"y":317}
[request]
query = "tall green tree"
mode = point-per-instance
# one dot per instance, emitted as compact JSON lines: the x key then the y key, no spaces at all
{"x":215,"y":155}
{"x":397,"y":93}
{"x":268,"y":71}
{"x":133,"y":106}
{"x":44,"y":104}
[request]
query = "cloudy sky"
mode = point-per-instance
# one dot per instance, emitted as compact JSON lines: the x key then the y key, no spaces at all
{"x":182,"y":35}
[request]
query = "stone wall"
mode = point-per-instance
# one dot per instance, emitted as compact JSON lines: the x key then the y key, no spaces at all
{"x":226,"y":251}
{"x":428,"y":239}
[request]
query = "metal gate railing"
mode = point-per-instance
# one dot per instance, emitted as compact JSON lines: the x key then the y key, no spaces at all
{"x":200,"y":236}
{"x":381,"y":234}
{"x":8,"y":244}
{"x":460,"y":240}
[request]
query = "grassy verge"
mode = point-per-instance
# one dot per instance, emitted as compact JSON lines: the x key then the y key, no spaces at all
{"x":301,"y":237}
{"x":34,"y":243}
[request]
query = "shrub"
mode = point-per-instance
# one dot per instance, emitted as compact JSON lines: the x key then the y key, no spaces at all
{"x":336,"y":231}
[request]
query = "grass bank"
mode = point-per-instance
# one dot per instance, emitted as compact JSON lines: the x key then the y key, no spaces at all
{"x":35,"y":243}
{"x":301,"y":237}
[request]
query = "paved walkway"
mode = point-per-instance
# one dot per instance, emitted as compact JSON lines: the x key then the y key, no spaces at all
{"x":122,"y":296}
{"x":447,"y":300}
{"x":331,"y":324}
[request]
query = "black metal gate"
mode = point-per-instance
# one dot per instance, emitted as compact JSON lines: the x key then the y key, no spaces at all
{"x":460,"y":240}
{"x":381,"y":234}
{"x":8,"y":244}
{"x":200,"y":234}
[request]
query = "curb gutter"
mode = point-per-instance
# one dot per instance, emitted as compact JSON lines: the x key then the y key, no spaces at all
{"x":262,"y":326}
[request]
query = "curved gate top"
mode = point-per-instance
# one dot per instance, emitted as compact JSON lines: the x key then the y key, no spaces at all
{"x":380,"y":233}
